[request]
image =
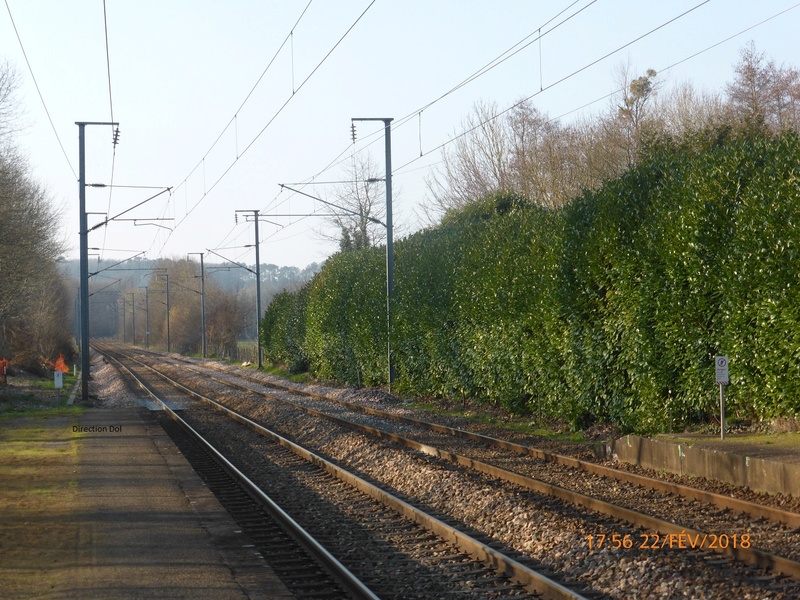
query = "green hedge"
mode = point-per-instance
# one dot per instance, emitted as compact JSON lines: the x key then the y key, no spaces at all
{"x":283,"y":330}
{"x":608,"y":310}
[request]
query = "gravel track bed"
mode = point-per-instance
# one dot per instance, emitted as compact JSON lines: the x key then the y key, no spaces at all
{"x":771,"y":537}
{"x":394,"y":557}
{"x":381,"y":400}
{"x":541,"y":528}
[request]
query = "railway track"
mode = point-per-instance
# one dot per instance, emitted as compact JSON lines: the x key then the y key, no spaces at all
{"x":306,"y":572}
{"x":307,"y":569}
{"x":396,"y":549}
{"x":629,"y":534}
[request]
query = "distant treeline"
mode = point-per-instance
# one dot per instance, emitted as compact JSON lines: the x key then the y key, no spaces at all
{"x":608,"y":309}
{"x":129,"y":301}
{"x":228,"y":277}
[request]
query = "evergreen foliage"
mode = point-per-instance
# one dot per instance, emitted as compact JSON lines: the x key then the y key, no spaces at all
{"x":610,"y":309}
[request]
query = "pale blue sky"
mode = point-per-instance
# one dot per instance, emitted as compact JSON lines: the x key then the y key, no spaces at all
{"x":180,"y":70}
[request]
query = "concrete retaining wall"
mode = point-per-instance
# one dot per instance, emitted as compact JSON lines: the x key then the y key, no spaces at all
{"x":755,"y":473}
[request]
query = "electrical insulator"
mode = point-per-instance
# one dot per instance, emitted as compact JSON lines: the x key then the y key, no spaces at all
{"x":115,"y":141}
{"x":236,"y":217}
{"x":353,"y":132}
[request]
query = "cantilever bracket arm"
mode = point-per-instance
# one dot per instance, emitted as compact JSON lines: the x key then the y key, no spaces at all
{"x":240,"y":265}
{"x":347,"y":210}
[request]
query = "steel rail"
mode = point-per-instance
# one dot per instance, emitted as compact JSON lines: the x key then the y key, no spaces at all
{"x":502,"y":564}
{"x":752,"y":509}
{"x":756,"y":511}
{"x":336,"y":569}
{"x":678,"y":533}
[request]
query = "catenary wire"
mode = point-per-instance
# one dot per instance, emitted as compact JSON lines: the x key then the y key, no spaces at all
{"x":233,"y":120}
{"x":402,"y":170}
{"x":555,"y":83}
{"x":271,"y":120}
{"x":667,"y":68}
{"x":502,"y":57}
{"x":39,"y":91}
{"x":250,"y":93}
{"x":673,"y":65}
{"x":111,"y":111}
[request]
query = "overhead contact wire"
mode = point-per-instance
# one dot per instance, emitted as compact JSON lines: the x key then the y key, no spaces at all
{"x":555,"y":83}
{"x":38,"y":90}
{"x":275,"y":116}
{"x":111,"y":110}
{"x":501,"y":58}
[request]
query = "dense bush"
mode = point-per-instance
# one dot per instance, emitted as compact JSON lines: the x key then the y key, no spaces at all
{"x":610,"y":309}
{"x":283,"y":330}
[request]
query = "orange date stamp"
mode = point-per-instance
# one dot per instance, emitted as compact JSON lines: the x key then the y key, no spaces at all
{"x":658,"y":541}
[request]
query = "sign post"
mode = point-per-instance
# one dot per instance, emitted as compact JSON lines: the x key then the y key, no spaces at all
{"x":721,"y":364}
{"x":58,"y":382}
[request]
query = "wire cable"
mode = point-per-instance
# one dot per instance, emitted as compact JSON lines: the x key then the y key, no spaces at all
{"x":673,"y":65}
{"x":498,"y":60}
{"x":505,"y":56}
{"x":555,"y":83}
{"x":111,"y":110}
{"x":501,"y":58}
{"x":247,"y":97}
{"x":403,"y":169}
{"x":207,"y":191}
{"x":39,"y":91}
{"x":233,"y":120}
{"x":108,"y":62}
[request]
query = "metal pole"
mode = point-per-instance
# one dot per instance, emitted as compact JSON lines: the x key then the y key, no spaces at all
{"x":84,"y":255}
{"x":133,"y":318}
{"x":167,"y":289}
{"x":722,"y":411}
{"x":389,"y":250}
{"x":124,"y":320}
{"x":387,"y":124}
{"x":258,"y":294}
{"x":76,"y":316}
{"x":146,"y":318}
{"x":84,"y":262}
{"x":202,"y":299}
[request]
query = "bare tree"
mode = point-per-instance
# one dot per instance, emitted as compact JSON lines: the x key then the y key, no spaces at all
{"x":479,"y":162}
{"x":363,"y":199}
{"x":539,"y":162}
{"x":10,"y":112}
{"x":524,"y":151}
{"x":27,"y":236}
{"x":185,"y":314}
{"x":763,"y":94}
{"x":633,"y":120}
{"x":33,"y":317}
{"x":683,"y":110}
{"x":226,"y":317}
{"x":185,"y":326}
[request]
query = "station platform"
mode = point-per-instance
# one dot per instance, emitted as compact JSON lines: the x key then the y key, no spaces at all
{"x":770,"y":465}
{"x":103,"y":505}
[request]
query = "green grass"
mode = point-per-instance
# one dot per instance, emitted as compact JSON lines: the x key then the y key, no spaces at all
{"x":41,"y":413}
{"x":50,"y":384}
{"x":31,"y":441}
{"x":781,"y":440}
{"x":26,"y":447}
{"x":281,"y":371}
{"x":521,"y":426}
